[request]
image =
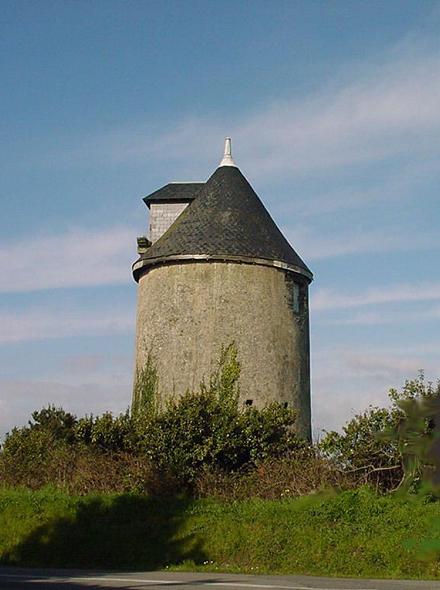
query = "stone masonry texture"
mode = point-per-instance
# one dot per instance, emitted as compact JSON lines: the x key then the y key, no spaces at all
{"x":162,"y":216}
{"x":188,"y":311}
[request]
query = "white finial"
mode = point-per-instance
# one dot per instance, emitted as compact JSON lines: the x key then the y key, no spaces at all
{"x":227,"y":156}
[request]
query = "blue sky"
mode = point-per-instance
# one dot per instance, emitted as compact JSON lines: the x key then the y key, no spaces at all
{"x":334,"y":111}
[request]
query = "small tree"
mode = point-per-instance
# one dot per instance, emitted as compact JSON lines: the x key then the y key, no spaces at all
{"x":380,"y":444}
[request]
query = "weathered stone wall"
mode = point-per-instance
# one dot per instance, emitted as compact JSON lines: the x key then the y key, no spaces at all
{"x":162,"y":215}
{"x":187,"y":311}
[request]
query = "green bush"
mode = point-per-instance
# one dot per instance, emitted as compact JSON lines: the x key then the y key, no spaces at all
{"x":208,"y":429}
{"x":198,"y":431}
{"x":107,"y":433}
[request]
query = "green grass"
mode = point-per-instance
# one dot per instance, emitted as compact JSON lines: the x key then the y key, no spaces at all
{"x":350,"y":534}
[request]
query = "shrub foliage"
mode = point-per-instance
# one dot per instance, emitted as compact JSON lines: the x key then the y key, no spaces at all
{"x":152,"y":448}
{"x":206,"y":444}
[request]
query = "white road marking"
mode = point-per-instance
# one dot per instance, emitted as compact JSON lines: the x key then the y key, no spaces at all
{"x":53,"y":579}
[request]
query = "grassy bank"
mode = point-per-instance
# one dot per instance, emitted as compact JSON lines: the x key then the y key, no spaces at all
{"x":350,"y":534}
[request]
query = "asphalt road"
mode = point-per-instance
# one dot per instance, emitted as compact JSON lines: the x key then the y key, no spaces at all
{"x":28,"y":579}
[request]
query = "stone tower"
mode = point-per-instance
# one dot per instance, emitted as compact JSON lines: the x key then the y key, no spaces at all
{"x":217,"y":269}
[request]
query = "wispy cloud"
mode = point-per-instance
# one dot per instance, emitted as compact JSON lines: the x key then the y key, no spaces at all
{"x":382,"y":188}
{"x":318,"y":244}
{"x":78,"y":258}
{"x":388,"y":366}
{"x":347,"y":381}
{"x":373,"y":114}
{"x":378,"y":318}
{"x":80,"y":383}
{"x":94,"y":364}
{"x":387,"y":113}
{"x":328,"y":299}
{"x":38,"y":324}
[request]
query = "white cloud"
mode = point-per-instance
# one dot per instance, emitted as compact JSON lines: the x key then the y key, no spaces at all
{"x":346,"y":381}
{"x":339,"y":392}
{"x":328,"y":299}
{"x":388,"y":366}
{"x":38,"y":324}
{"x":93,"y":364}
{"x":80,"y":383}
{"x":319,"y":246}
{"x":389,"y":114}
{"x":378,"y":318}
{"x":78,"y":258}
{"x":383,"y":188}
{"x":374,"y":114}
{"x":83,"y":258}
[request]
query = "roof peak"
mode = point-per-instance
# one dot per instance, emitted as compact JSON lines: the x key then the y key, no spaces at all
{"x":227,"y":155}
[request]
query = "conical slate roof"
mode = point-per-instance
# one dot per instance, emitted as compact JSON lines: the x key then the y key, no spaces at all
{"x":225,"y":221}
